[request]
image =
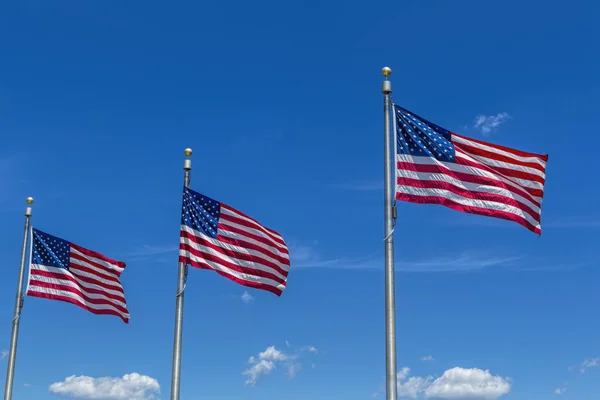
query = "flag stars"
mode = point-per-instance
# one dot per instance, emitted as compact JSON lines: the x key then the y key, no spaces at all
{"x":416,"y":137}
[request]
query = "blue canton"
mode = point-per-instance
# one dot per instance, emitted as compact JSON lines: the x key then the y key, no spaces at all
{"x":200,"y":212}
{"x":49,"y":250}
{"x":418,"y":137}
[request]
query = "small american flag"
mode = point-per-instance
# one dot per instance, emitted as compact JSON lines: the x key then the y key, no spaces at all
{"x":437,"y":166}
{"x":217,"y":237}
{"x":61,"y":270}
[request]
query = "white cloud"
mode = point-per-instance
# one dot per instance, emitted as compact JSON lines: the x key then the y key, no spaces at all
{"x":27,"y":384}
{"x":468,"y":383}
{"x":3,"y":354}
{"x":589,"y":363}
{"x":247,"y":297}
{"x":411,"y":386}
{"x":267,"y":361}
{"x":487,"y":123}
{"x":560,"y":390}
{"x":129,"y":387}
{"x":427,"y":358}
{"x":454,"y":384}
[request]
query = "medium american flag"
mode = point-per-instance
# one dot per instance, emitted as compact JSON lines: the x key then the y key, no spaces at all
{"x":61,"y":270}
{"x":218,"y":237}
{"x":437,"y":166}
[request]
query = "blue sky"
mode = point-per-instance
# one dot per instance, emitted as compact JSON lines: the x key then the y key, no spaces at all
{"x":281,"y":103}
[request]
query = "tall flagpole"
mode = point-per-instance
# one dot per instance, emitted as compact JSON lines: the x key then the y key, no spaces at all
{"x":181,"y":280}
{"x":12,"y":353}
{"x":389,"y":211}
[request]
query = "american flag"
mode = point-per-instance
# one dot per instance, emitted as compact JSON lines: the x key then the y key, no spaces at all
{"x":61,"y":270}
{"x":218,"y":237}
{"x":437,"y":166}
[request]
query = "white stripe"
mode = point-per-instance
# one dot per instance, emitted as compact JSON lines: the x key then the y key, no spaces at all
{"x":272,"y":235}
{"x":81,"y":289}
{"x":239,"y":275}
{"x":472,"y":187}
{"x":82,"y":284}
{"x":521,"y":182}
{"x":78,"y":299}
{"x":502,"y":164}
{"x":463,"y":169}
{"x":239,"y":249}
{"x":490,"y":205}
{"x":224,"y":230}
{"x":100,"y":271}
{"x":109,"y":266}
{"x":76,"y":271}
{"x":225,"y":258}
{"x":532,"y":159}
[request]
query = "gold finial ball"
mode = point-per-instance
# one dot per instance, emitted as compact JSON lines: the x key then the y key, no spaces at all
{"x":187,"y":152}
{"x":29,"y":200}
{"x":386,"y":71}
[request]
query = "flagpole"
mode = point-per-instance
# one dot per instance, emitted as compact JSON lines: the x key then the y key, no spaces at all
{"x":389,"y":217}
{"x":12,"y":353}
{"x":181,"y":280}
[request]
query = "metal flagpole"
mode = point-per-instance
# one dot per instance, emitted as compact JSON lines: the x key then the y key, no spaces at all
{"x":389,"y":216}
{"x":12,"y":353}
{"x":181,"y":280}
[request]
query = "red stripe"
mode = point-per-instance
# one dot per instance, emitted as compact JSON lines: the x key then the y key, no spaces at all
{"x":248,"y":245}
{"x":426,"y":184}
{"x":467,"y":209}
{"x":495,"y":156}
{"x":82,"y":278}
{"x":235,"y":267}
{"x":61,"y":277}
{"x":507,"y":172}
{"x":507,"y":149}
{"x":33,"y":293}
{"x":462,"y":176}
{"x":461,"y":161}
{"x":91,"y":253}
{"x":256,"y":285}
{"x":111,"y":273}
{"x":231,"y":253}
{"x":66,"y":288}
{"x":273,"y":234}
{"x":269,"y":241}
{"x":74,"y":261}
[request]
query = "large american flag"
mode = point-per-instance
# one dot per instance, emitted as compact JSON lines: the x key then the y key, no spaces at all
{"x":218,"y":237}
{"x":437,"y":166}
{"x":61,"y":270}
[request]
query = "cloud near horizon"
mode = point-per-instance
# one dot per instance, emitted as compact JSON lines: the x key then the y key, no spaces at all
{"x":455,"y":384}
{"x":132,"y":386}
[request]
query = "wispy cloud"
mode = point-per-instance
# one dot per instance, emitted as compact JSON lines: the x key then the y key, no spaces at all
{"x":269,"y":360}
{"x":3,"y":354}
{"x":367,"y":186}
{"x":488,"y":123}
{"x":149,"y":250}
{"x":578,"y":222}
{"x":560,"y":390}
{"x":427,"y":358}
{"x":589,"y":363}
{"x":247,"y":297}
{"x":460,"y":262}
